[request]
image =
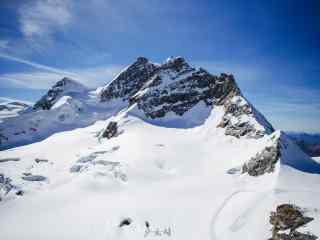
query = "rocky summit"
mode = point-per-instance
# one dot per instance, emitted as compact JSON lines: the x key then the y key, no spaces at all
{"x":174,"y":88}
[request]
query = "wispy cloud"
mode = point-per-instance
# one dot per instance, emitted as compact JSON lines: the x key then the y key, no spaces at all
{"x":91,"y":77}
{"x":45,"y":76}
{"x":38,"y":66}
{"x":42,"y":18}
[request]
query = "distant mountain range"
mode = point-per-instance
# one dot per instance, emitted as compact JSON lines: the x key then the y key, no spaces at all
{"x":308,"y":142}
{"x":12,"y":107}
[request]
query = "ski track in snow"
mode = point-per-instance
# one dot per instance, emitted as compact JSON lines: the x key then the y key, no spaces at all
{"x":240,"y":221}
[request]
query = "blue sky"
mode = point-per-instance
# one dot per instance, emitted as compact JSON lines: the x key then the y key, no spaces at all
{"x":272,"y":47}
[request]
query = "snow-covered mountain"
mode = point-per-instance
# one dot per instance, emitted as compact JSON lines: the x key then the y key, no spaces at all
{"x":309,"y":143}
{"x":172,"y":94}
{"x":12,"y":108}
{"x":162,"y":151}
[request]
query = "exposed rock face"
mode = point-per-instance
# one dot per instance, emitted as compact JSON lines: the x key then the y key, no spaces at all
{"x":129,"y":81}
{"x":237,"y":123}
{"x":263,"y":162}
{"x":66,"y":85}
{"x":180,"y":96}
{"x":174,"y":87}
{"x":289,"y":217}
{"x":111,"y":130}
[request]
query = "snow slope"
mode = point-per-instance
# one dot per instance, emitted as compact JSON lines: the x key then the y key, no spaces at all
{"x":218,"y":175}
{"x":174,"y":178}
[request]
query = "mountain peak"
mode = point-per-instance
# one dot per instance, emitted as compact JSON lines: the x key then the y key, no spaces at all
{"x":69,"y":84}
{"x":176,"y":63}
{"x":64,"y":86}
{"x":142,"y":60}
{"x":129,"y":81}
{"x":165,"y":93}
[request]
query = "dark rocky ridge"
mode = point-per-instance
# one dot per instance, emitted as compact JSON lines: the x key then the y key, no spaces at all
{"x":177,"y":87}
{"x":180,"y":96}
{"x":129,"y":81}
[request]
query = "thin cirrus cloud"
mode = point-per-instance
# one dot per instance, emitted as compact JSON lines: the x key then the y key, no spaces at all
{"x":45,"y":76}
{"x":37,"y":65}
{"x":40,"y":18}
{"x":44,"y":80}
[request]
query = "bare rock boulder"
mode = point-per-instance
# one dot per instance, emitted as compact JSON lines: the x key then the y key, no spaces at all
{"x":111,"y":130}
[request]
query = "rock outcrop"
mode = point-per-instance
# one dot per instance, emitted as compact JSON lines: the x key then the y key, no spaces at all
{"x":241,"y":119}
{"x":289,"y":217}
{"x":263,"y":162}
{"x":111,"y":130}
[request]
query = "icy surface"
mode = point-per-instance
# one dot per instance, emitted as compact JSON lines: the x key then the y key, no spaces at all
{"x":175,"y":179}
